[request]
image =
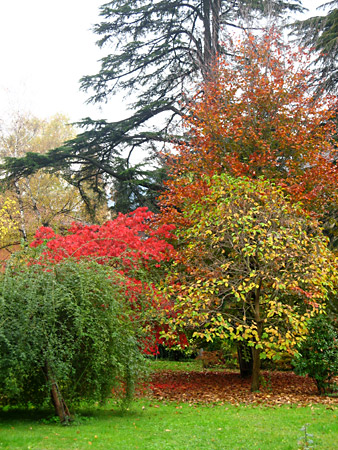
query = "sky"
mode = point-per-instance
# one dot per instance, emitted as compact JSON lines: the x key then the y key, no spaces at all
{"x":46,"y":47}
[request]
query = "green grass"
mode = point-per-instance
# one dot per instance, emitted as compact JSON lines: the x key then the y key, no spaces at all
{"x":168,"y":426}
{"x":186,"y":366}
{"x":162,"y":426}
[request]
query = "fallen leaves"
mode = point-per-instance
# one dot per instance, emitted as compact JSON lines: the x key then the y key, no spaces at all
{"x":278,"y":388}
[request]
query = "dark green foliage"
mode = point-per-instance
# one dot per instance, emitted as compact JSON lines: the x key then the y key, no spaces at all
{"x":132,"y":191}
{"x":159,"y":46}
{"x":158,"y":50}
{"x":67,"y":326}
{"x":318,"y":354}
{"x":320,"y":33}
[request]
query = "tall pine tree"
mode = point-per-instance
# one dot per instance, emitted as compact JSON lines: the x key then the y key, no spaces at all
{"x":321,"y":34}
{"x":159,"y":49}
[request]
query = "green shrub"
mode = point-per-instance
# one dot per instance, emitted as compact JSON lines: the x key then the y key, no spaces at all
{"x":318,"y":355}
{"x":65,"y":332}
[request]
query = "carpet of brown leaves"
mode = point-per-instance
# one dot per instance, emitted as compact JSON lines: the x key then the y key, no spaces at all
{"x":278,"y":388}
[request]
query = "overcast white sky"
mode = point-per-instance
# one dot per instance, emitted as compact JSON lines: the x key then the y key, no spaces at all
{"x":46,"y":46}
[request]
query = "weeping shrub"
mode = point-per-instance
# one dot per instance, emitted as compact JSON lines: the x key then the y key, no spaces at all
{"x":65,"y":335}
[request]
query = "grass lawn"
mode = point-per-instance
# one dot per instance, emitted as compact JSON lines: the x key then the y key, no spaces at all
{"x":153,"y":425}
{"x":193,"y":364}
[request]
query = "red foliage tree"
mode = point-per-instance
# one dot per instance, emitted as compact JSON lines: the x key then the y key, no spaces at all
{"x":128,"y":242}
{"x":134,"y":247}
{"x":258,"y":116}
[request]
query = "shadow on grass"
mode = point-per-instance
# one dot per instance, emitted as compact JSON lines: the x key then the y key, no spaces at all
{"x":81,"y":414}
{"x":18,"y":414}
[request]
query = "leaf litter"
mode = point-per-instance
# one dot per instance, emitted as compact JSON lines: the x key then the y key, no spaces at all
{"x":277,"y":389}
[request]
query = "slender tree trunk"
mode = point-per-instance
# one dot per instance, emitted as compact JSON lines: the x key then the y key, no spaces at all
{"x":256,"y":352}
{"x":207,"y":36}
{"x":216,"y":16}
{"x":211,"y":24}
{"x":60,"y":406}
{"x":61,"y":409}
{"x":245,"y":361}
{"x":22,"y":226}
{"x":255,"y":381}
{"x":34,"y":203}
{"x":130,"y":386}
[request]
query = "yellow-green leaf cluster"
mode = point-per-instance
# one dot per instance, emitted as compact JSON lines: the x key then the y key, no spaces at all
{"x":256,"y":267}
{"x":7,"y":224}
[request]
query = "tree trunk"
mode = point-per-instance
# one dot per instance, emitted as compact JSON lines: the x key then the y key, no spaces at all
{"x":256,"y":352}
{"x":216,"y":17}
{"x":60,"y":406}
{"x":207,"y":36}
{"x":130,"y":386}
{"x":211,"y":23}
{"x":255,"y":382}
{"x":245,"y":361}
{"x":22,"y":226}
{"x":61,"y":409}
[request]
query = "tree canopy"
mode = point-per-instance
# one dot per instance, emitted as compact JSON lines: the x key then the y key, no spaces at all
{"x":159,"y":49}
{"x":253,"y":123}
{"x":65,"y":334}
{"x":78,"y":309}
{"x":251,"y":267}
{"x":259,"y":116}
{"x":40,"y":198}
{"x":133,"y":247}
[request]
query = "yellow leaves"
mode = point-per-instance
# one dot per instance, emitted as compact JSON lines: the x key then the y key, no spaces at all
{"x":258,"y":249}
{"x":246,"y":334}
{"x":272,"y":331}
{"x":7,"y":224}
{"x":223,"y":282}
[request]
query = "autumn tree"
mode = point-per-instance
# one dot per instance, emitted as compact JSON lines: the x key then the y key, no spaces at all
{"x":131,"y":245}
{"x":156,"y":51}
{"x":251,"y":267}
{"x":78,"y":309}
{"x":259,"y":117}
{"x":8,"y":226}
{"x":41,"y":198}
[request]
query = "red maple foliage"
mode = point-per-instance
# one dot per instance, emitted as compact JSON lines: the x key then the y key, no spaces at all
{"x":127,"y":242}
{"x":134,"y":247}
